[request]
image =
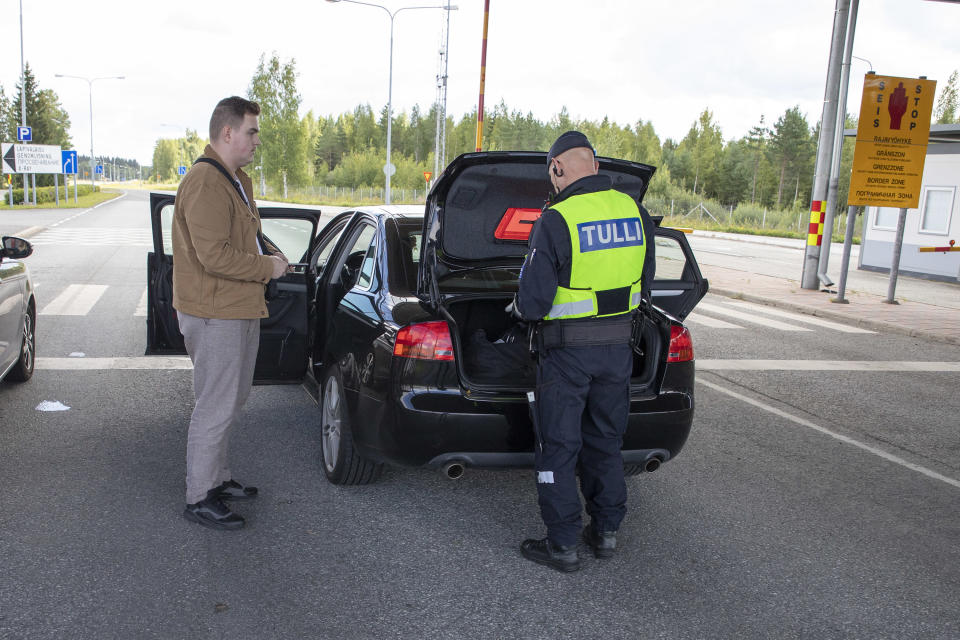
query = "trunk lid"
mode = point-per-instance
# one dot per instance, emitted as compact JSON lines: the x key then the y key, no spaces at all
{"x":461,"y":251}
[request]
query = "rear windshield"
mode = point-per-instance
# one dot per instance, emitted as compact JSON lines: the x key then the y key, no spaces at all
{"x":481,"y":279}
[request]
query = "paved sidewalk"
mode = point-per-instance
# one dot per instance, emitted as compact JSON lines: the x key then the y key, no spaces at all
{"x":918,"y":319}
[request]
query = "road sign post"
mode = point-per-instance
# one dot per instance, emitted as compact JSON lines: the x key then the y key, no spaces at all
{"x":891,"y":148}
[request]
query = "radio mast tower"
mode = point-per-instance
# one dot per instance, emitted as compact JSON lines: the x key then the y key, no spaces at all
{"x":440,"y":144}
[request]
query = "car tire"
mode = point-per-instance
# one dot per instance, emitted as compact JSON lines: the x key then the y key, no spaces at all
{"x":23,"y":370}
{"x":341,"y":462}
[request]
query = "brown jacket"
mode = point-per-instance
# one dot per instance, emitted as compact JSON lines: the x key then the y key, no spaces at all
{"x":217,"y":270}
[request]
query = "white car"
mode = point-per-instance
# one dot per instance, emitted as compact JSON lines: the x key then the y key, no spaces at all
{"x":18,"y":312}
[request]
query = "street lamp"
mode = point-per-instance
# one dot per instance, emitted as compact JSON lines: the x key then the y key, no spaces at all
{"x":90,"y":81}
{"x":389,"y":169}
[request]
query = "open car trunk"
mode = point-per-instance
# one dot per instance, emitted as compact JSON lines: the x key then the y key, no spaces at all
{"x":493,"y":348}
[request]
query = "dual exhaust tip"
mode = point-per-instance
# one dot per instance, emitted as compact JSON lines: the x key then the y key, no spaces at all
{"x":455,"y":470}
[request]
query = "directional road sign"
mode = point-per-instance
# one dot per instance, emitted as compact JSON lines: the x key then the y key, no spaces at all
{"x":24,"y":134}
{"x":69,"y":161}
{"x":99,"y":169}
{"x":30,"y":158}
{"x":181,"y":170}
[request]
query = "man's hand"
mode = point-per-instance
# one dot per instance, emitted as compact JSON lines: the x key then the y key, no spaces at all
{"x":279,"y":266}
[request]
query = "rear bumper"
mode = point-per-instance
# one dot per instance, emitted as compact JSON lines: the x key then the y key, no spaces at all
{"x":500,"y":435}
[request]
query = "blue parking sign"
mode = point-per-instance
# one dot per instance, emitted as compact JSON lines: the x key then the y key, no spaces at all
{"x":68,"y":160}
{"x":24,"y":134}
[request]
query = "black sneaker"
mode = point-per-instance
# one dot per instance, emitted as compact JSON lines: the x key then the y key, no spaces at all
{"x":233,"y":490}
{"x":552,"y":555}
{"x":603,"y":543}
{"x":211,"y":512}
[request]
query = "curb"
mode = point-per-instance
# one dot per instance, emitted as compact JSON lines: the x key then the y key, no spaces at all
{"x":878,"y":325}
{"x":29,"y":231}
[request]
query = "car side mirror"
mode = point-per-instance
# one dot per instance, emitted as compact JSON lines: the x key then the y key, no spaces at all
{"x":14,"y":247}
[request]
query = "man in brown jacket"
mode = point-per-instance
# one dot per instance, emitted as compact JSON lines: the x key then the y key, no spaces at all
{"x":221,"y":265}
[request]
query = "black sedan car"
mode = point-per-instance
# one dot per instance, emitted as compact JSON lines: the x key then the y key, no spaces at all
{"x":18,"y":312}
{"x":395,"y":317}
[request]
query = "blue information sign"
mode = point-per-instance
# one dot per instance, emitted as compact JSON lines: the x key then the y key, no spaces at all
{"x":25,"y":134}
{"x":182,"y":170}
{"x":69,"y":161}
{"x":99,"y":169}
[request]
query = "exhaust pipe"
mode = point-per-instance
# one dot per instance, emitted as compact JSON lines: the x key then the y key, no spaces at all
{"x":651,"y":465}
{"x":454,"y":470}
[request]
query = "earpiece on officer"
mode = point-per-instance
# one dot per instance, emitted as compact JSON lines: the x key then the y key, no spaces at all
{"x":557,"y":171}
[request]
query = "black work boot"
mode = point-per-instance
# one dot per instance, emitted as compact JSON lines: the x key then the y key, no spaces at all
{"x":233,"y":490}
{"x":603,"y":543}
{"x":212,"y":512}
{"x":557,"y":556}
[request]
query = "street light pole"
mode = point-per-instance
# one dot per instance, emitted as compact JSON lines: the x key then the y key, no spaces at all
{"x":90,"y":81}
{"x":389,"y":169}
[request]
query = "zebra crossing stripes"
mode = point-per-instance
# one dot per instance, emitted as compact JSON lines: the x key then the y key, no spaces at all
{"x":808,"y":319}
{"x":752,"y":318}
{"x":76,"y":300}
{"x":94,"y":237}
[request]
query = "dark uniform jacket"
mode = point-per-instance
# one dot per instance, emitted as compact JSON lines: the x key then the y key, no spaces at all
{"x":550,"y":255}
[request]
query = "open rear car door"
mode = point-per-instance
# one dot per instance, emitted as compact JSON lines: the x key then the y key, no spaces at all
{"x":284,"y":334}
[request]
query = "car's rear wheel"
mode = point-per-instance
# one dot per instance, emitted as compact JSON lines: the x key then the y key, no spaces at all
{"x":23,"y":370}
{"x":341,"y":462}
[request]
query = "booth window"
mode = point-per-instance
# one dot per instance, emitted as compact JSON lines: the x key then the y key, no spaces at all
{"x":886,"y":218}
{"x":937,"y":205}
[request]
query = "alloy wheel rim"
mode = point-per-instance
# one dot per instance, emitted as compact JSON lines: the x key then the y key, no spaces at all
{"x":28,"y":345}
{"x":331,"y":423}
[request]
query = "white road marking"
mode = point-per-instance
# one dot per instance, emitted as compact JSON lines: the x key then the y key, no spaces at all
{"x":98,"y":364}
{"x":798,"y":317}
{"x":749,"y":317}
{"x":76,"y":300}
{"x":897,"y":366}
{"x":142,"y":305}
{"x":707,"y":321}
{"x":842,"y":438}
{"x":95,"y":237}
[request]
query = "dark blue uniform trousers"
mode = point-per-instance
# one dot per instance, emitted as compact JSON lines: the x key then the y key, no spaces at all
{"x":582,"y":405}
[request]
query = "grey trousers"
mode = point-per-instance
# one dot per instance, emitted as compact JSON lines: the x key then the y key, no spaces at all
{"x":223,"y":353}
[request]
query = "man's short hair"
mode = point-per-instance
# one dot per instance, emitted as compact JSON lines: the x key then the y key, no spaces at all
{"x":230,"y":111}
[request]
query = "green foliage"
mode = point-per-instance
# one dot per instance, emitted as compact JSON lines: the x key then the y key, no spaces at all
{"x":47,"y":194}
{"x":946,"y":111}
{"x":288,"y":142}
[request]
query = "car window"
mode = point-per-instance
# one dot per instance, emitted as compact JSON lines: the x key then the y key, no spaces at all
{"x":326,"y":248}
{"x":166,"y":228}
{"x":369,"y":261}
{"x":356,"y":256}
{"x":290,"y":235}
{"x":671,"y":261}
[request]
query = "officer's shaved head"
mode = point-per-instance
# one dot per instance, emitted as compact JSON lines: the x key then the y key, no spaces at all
{"x":571,"y":165}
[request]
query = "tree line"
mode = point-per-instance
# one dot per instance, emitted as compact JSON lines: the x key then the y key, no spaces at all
{"x":770,"y":167}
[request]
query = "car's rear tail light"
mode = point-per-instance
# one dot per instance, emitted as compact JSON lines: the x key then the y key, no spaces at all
{"x":424,"y":340}
{"x":516,"y":224}
{"x":681,"y":345}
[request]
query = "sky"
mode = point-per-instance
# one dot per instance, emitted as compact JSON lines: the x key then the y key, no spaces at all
{"x":629,"y":60}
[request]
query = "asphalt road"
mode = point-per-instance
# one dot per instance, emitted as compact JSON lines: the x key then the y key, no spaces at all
{"x":806,"y":504}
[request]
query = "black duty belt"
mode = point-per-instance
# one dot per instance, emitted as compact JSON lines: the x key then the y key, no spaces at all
{"x":585,"y":333}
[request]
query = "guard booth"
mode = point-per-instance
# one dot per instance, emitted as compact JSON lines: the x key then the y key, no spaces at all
{"x":935,"y":223}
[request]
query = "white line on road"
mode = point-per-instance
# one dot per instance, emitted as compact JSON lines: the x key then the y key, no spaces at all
{"x":842,"y":438}
{"x":142,"y":305}
{"x":898,"y":366}
{"x":97,"y":364}
{"x":798,"y":317}
{"x":707,"y":321}
{"x":749,"y":317}
{"x":76,"y":300}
